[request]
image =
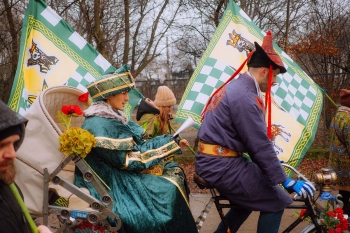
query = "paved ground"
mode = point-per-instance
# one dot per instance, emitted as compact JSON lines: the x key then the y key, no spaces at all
{"x":199,"y":201}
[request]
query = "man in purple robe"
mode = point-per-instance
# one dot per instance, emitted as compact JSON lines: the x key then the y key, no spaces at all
{"x":234,"y":123}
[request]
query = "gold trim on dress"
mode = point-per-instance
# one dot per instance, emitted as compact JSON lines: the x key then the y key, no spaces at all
{"x":149,"y":155}
{"x":115,"y":144}
{"x":178,"y":187}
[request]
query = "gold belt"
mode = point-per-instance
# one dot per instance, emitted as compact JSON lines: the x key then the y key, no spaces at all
{"x":215,"y":150}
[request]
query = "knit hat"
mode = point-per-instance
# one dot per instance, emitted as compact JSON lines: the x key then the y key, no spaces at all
{"x":11,"y":123}
{"x":16,"y":129}
{"x":345,"y":97}
{"x":265,"y":55}
{"x":164,"y":97}
{"x":111,"y":84}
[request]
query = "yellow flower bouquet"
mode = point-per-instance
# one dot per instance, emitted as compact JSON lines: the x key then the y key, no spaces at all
{"x":74,"y":140}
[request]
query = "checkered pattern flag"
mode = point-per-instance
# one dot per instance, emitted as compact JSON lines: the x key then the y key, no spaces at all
{"x":51,"y":54}
{"x":297,"y":100}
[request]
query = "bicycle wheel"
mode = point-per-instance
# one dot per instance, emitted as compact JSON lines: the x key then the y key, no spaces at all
{"x":311,"y":229}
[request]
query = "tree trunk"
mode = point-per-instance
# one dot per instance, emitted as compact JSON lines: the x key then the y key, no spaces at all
{"x":127,"y":32}
{"x":285,"y":44}
{"x":13,"y":53}
{"x":100,"y":44}
{"x":217,"y":12}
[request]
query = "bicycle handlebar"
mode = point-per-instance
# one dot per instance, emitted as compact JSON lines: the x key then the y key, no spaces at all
{"x":296,"y":171}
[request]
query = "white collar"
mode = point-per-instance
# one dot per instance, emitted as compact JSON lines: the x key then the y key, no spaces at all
{"x":258,"y":91}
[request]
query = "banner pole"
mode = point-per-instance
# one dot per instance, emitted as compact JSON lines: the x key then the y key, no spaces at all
{"x":190,"y":148}
{"x":328,"y":97}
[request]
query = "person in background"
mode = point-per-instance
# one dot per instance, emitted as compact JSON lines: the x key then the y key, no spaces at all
{"x":234,"y":123}
{"x":155,"y":116}
{"x":149,"y":195}
{"x":339,"y":158}
{"x":12,"y":130}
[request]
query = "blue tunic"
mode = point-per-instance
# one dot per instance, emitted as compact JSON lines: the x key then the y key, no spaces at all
{"x":236,"y":121}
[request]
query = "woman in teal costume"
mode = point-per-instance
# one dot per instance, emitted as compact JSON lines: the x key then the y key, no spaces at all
{"x":149,"y":194}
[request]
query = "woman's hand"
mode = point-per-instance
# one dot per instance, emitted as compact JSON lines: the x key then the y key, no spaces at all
{"x":183,"y":142}
{"x":43,"y":229}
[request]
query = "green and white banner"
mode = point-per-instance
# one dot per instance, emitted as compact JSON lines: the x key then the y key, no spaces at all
{"x":53,"y":54}
{"x":297,"y":100}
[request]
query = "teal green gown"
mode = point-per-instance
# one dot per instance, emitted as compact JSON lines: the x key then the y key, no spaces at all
{"x":146,"y":203}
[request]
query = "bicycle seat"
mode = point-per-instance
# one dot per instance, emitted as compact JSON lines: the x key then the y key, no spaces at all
{"x":201,"y":182}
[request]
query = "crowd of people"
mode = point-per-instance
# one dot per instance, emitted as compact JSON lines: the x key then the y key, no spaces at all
{"x":148,"y":187}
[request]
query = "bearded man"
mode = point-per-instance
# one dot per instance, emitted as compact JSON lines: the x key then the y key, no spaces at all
{"x":12,"y":128}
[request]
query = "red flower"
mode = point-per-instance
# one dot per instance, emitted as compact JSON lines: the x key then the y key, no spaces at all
{"x":345,"y":225}
{"x":84,"y":97}
{"x":338,"y":230}
{"x":338,"y":210}
{"x":340,"y":216}
{"x":330,"y":213}
{"x":302,"y":212}
{"x":72,"y":110}
{"x":331,"y":230}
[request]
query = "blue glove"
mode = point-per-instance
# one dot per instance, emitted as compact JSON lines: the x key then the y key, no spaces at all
{"x":302,"y":188}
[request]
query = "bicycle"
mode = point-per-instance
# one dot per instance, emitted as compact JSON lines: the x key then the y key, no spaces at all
{"x":322,"y":182}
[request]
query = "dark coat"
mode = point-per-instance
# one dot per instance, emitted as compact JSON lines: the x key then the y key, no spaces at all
{"x":236,"y":121}
{"x":11,"y":216}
